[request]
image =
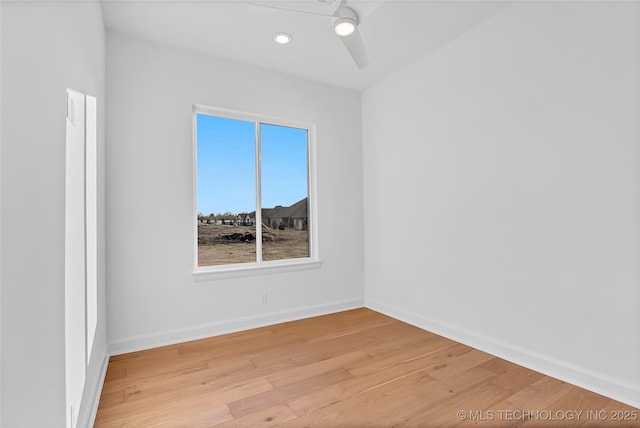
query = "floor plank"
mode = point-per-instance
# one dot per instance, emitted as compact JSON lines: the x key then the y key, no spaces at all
{"x":356,"y":368}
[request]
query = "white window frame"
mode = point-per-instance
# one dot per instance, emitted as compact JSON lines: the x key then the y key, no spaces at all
{"x":259,"y":267}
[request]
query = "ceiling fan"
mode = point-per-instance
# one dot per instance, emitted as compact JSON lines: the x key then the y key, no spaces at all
{"x":344,"y":22}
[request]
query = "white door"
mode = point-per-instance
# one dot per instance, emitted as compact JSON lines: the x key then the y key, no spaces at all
{"x":76,"y":260}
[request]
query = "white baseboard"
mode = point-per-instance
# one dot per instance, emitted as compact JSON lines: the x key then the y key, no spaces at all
{"x":171,"y":337}
{"x":616,"y":389}
{"x":87,"y":416}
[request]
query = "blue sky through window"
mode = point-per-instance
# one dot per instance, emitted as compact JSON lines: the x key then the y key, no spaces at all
{"x":226,"y":165}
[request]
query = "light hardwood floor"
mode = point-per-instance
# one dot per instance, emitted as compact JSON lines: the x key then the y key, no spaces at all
{"x":351,"y":369}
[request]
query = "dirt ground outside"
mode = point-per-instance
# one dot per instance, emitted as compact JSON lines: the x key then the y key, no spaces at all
{"x":220,"y":244}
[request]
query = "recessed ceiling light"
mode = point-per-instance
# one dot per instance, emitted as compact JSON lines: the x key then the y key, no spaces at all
{"x":282,"y":38}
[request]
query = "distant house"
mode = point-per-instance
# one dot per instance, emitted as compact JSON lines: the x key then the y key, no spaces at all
{"x":227,"y":220}
{"x":245,"y":219}
{"x":294,"y":217}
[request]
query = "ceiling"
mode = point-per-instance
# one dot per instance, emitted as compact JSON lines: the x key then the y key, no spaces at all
{"x":395,"y":33}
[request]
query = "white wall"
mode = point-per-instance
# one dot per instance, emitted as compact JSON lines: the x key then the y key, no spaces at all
{"x":47,"y":47}
{"x":501,"y":191}
{"x":152,"y":297}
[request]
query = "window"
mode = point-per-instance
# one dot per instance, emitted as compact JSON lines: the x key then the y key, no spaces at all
{"x":253,"y":191}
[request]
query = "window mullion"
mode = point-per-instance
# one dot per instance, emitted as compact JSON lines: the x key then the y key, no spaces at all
{"x":258,"y":196}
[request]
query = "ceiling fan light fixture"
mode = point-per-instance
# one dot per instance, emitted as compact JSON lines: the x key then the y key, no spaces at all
{"x":282,"y":38}
{"x":344,"y":26}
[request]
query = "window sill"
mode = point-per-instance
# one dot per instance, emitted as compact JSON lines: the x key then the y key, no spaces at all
{"x":251,"y":269}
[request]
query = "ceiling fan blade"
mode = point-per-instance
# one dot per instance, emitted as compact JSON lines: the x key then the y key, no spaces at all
{"x":313,"y":7}
{"x":354,"y":45}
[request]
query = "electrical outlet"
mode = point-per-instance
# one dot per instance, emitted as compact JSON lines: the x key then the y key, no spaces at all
{"x":263,"y":297}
